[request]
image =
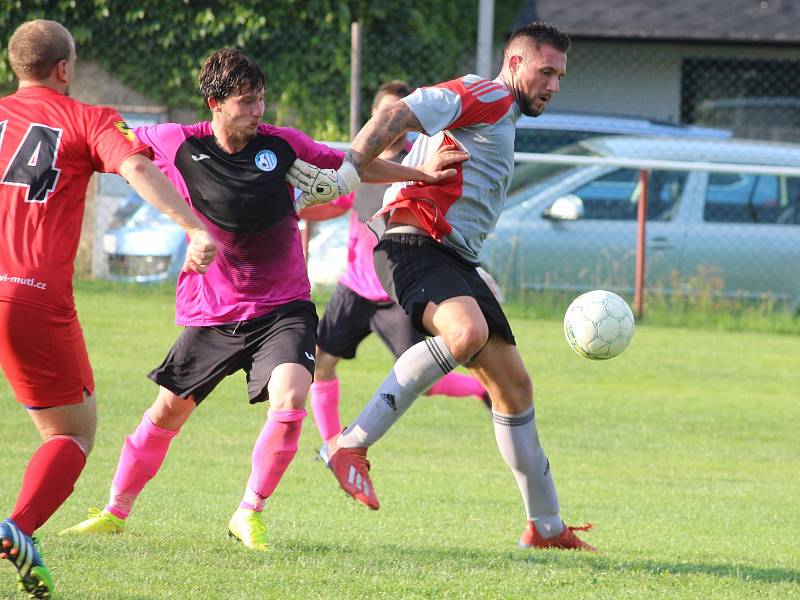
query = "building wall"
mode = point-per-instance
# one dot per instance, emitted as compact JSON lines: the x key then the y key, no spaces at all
{"x":641,"y":78}
{"x":94,"y":85}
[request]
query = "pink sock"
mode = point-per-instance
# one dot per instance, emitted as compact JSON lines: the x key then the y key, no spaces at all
{"x":456,"y":385}
{"x":274,"y":450}
{"x":139,"y":461}
{"x":325,"y":407}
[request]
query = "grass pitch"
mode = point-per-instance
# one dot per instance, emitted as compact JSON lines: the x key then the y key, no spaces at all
{"x":683,"y":452}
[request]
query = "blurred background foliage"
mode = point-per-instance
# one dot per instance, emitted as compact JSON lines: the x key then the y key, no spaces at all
{"x":157,"y":47}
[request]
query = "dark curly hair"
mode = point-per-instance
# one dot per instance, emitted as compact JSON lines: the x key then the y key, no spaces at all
{"x":229,"y":71}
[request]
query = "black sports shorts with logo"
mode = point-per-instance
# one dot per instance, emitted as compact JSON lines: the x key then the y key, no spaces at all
{"x":349,"y":318}
{"x":203,"y":356}
{"x":415,"y":269}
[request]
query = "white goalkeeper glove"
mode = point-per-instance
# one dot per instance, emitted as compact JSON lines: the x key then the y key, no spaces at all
{"x":321,"y":185}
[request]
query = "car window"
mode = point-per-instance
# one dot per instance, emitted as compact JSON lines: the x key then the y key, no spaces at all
{"x":749,"y":198}
{"x":546,"y":140}
{"x":615,"y":196}
{"x":529,"y":173}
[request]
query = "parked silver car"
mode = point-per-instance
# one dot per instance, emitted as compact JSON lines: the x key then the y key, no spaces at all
{"x":555,"y":129}
{"x":731,"y":234}
{"x":143,"y":245}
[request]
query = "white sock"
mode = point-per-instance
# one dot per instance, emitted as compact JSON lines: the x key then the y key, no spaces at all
{"x":417,"y":369}
{"x":519,"y":446}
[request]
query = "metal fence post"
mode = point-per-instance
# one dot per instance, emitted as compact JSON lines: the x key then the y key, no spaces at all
{"x":641,"y":238}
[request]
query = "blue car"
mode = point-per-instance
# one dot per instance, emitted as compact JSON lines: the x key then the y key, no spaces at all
{"x":143,"y":245}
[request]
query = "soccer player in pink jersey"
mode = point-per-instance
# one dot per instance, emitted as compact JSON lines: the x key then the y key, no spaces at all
{"x":50,"y":144}
{"x":359,"y":304}
{"x":252,"y":311}
{"x":427,"y":261}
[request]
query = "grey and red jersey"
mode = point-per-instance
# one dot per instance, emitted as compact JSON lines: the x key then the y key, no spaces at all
{"x":246,"y":206}
{"x":479,"y":116}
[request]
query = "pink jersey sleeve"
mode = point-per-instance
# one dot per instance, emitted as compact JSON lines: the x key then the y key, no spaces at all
{"x":165,"y":139}
{"x":469,"y":100}
{"x":306,"y":148}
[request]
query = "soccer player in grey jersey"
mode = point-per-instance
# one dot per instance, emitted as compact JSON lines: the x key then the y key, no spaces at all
{"x":427,"y":261}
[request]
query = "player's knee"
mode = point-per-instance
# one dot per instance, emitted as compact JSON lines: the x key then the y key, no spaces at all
{"x":325,"y":366}
{"x":465,"y":342}
{"x":84,"y":440}
{"x":170,"y":411}
{"x":289,"y":398}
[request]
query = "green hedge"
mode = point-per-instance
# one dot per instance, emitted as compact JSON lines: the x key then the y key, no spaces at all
{"x":157,"y":47}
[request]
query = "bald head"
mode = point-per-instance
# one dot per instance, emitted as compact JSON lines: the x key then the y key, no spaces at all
{"x":37,"y":47}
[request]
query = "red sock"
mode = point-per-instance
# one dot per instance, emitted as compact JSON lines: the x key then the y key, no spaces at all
{"x":48,"y":481}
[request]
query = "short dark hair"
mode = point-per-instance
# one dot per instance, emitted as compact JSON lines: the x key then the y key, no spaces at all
{"x":229,"y":71}
{"x":396,"y":87}
{"x":36,"y":47}
{"x":540,"y":33}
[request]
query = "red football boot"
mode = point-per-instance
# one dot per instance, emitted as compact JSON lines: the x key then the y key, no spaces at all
{"x":351,"y":469}
{"x":566,"y":540}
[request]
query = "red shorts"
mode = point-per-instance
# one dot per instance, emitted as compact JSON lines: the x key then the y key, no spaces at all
{"x":43,"y":356}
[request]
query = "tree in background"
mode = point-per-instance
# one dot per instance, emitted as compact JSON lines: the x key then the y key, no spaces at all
{"x":157,"y":47}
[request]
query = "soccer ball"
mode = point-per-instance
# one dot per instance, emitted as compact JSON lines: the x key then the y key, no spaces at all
{"x":598,"y":325}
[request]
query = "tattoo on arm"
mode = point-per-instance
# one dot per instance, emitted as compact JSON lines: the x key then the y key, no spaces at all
{"x":379,"y":133}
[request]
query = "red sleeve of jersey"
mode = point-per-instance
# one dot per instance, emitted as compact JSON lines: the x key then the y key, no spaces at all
{"x":483,"y":101}
{"x":110,"y":140}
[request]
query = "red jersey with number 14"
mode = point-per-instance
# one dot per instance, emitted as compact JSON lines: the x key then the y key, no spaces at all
{"x":50,"y":144}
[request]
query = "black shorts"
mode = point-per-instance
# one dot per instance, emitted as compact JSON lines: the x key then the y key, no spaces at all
{"x":349,"y":318}
{"x":416,"y":269}
{"x":203,"y":356}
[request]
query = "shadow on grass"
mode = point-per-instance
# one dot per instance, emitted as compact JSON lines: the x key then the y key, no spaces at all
{"x":470,"y":559}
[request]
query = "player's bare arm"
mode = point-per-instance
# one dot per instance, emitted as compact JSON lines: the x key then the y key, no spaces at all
{"x":155,"y":188}
{"x":323,"y":185}
{"x":380,"y":131}
{"x":434,"y":170}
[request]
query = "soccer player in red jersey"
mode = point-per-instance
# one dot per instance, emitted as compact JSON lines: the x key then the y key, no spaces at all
{"x":50,"y":144}
{"x":359,"y":304}
{"x":427,"y":262}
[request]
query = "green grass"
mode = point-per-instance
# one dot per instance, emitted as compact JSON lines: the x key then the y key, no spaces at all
{"x":683,"y":452}
{"x":723,"y":314}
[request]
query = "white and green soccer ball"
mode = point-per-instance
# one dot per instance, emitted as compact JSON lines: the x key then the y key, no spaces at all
{"x":598,"y":325}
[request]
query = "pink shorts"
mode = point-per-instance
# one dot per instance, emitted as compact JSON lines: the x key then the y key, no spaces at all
{"x":43,"y":356}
